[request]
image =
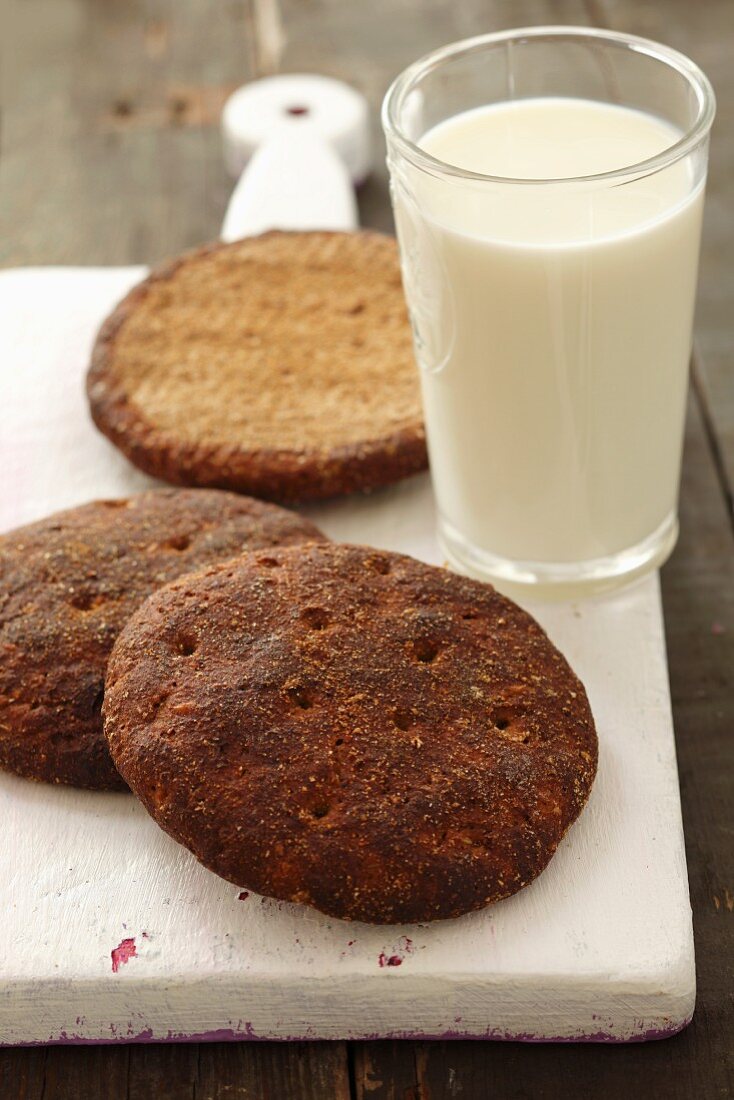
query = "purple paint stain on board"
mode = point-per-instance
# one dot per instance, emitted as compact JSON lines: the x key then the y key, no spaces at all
{"x":389,"y":960}
{"x":122,"y":954}
{"x":247,"y":1032}
{"x":404,"y":947}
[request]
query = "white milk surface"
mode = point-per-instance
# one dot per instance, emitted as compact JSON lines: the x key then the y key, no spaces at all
{"x":554,"y":327}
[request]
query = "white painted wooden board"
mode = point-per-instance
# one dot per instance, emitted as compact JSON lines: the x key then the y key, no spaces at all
{"x":599,"y":947}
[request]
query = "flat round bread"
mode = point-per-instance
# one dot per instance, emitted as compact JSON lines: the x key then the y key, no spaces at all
{"x":69,"y":583}
{"x":351,"y":729}
{"x":280,"y":366}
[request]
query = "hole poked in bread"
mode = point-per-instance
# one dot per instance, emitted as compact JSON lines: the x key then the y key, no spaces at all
{"x":315,"y":617}
{"x":185,"y":643}
{"x":301,"y":696}
{"x":178,"y":542}
{"x":425,"y":650}
{"x":402,"y":718}
{"x":378,"y":564}
{"x":509,"y":725}
{"x":85,"y":600}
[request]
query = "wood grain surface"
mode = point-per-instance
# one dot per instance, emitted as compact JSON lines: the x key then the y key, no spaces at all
{"x":110,"y":153}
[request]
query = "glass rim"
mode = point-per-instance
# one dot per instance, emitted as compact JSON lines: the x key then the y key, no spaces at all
{"x":696,"y":133}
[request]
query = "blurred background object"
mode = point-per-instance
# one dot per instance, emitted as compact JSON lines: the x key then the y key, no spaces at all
{"x":297,"y":144}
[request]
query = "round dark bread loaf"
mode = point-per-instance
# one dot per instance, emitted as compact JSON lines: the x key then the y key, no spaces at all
{"x":279,"y":365}
{"x":351,"y":729}
{"x":69,"y":583}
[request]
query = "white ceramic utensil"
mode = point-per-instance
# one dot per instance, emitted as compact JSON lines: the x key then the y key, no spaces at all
{"x":299,"y":144}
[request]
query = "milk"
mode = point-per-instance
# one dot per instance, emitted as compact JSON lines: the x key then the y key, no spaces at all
{"x":553,"y":327}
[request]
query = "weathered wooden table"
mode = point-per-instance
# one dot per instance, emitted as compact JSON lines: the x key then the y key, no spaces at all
{"x":110,"y":155}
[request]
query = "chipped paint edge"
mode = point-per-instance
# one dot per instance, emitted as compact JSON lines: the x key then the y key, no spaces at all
{"x":247,"y":1034}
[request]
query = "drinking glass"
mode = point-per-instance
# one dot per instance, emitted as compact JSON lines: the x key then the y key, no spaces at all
{"x":552,"y":317}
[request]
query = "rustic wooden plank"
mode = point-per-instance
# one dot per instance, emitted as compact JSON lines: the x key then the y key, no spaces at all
{"x":698,"y":594}
{"x":387,"y":1070}
{"x":22,"y":1073}
{"x":163,"y":1072}
{"x":705,"y":32}
{"x":91,"y":1073}
{"x":271,"y":1071}
{"x":206,"y":1071}
{"x":111,"y":148}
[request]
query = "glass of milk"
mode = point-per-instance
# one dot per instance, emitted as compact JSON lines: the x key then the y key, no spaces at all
{"x":548,"y":190}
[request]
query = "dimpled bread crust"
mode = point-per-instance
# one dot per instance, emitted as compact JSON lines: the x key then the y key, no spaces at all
{"x":280,"y":365}
{"x":69,"y":583}
{"x":351,"y":729}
